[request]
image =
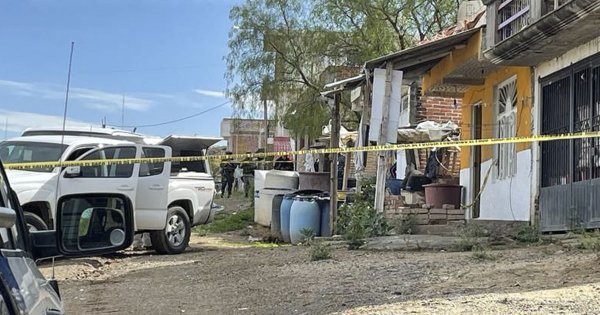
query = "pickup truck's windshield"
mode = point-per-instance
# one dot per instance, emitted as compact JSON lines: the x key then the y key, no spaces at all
{"x":25,"y":151}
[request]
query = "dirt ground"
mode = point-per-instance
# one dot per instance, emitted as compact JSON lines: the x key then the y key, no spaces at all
{"x":224,"y":274}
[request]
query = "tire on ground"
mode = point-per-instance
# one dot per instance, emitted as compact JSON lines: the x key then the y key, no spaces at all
{"x":175,"y":237}
{"x":34,"y":221}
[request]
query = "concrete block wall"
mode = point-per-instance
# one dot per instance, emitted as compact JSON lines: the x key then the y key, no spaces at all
{"x":395,"y":209}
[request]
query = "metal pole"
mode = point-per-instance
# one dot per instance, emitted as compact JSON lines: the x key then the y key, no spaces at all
{"x":266,"y":120}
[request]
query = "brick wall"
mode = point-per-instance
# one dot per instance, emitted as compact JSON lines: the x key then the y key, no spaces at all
{"x":438,"y":109}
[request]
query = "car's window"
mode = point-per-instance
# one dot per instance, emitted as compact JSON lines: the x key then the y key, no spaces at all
{"x":110,"y":170}
{"x":190,"y":166}
{"x":26,"y":152}
{"x":151,"y":169}
{"x":77,"y":153}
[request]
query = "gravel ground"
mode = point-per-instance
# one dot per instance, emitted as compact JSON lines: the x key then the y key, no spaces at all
{"x":219,"y":276}
{"x":224,"y":274}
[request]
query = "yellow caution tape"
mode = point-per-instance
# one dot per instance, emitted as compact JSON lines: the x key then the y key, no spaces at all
{"x":377,"y":148}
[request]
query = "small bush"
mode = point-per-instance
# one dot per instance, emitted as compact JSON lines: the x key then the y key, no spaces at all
{"x":307,"y":236}
{"x":481,"y":254}
{"x":320,"y":251}
{"x":468,"y":238}
{"x":529,"y":234}
{"x":406,"y":225}
{"x":590,"y":241}
{"x":359,"y":220}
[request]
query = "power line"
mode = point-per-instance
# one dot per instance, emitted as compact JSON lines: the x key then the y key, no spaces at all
{"x":180,"y":119}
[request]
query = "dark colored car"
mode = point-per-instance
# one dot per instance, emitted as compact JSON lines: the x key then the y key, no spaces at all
{"x":87,"y":225}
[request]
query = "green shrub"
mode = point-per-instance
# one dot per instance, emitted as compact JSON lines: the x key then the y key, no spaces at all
{"x":307,"y":236}
{"x":320,"y":251}
{"x":481,"y":254}
{"x":528,"y":234}
{"x":468,"y":238}
{"x":590,"y":241}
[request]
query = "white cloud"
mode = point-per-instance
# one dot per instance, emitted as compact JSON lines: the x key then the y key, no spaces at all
{"x":19,"y":121}
{"x":95,"y":99}
{"x":210,"y":93}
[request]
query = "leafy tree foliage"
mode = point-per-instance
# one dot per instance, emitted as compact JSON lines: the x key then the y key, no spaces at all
{"x":286,"y":50}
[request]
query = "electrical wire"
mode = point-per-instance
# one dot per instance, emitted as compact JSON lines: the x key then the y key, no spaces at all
{"x":179,"y":119}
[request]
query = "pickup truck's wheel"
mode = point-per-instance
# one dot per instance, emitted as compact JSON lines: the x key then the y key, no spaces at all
{"x":34,"y":222}
{"x":176,"y":235}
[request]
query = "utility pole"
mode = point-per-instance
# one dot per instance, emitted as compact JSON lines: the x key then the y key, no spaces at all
{"x":123,"y":113}
{"x":335,"y":143}
{"x":381,"y":160}
{"x":266,"y":121}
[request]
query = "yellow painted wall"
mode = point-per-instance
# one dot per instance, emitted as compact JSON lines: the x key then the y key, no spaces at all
{"x":485,"y":94}
{"x":449,"y":63}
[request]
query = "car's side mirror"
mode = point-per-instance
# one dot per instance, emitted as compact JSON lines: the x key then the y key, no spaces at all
{"x":8,"y":217}
{"x":72,"y":171}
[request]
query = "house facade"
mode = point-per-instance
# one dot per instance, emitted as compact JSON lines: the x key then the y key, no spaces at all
{"x":559,"y":41}
{"x":496,"y":103}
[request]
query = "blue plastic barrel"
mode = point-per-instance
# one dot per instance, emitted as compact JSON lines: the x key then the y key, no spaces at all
{"x":305,"y":213}
{"x":324,"y":207}
{"x":284,"y":216}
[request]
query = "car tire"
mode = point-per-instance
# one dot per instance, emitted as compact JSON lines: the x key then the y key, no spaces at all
{"x":34,"y":222}
{"x":175,"y":238}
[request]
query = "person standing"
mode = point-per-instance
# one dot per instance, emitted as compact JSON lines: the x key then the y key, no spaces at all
{"x":238,"y":174}
{"x":227,"y":175}
{"x":248,"y":168}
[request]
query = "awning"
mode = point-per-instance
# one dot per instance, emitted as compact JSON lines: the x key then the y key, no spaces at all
{"x":569,"y":26}
{"x":416,"y":61}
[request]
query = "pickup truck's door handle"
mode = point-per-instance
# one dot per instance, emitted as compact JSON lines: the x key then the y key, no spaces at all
{"x":157,"y":187}
{"x":125,"y":188}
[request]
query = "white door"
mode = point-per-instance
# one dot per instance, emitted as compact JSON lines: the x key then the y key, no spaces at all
{"x":152,"y":189}
{"x":110,"y":178}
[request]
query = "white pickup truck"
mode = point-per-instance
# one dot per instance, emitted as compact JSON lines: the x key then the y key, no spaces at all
{"x":168,"y":198}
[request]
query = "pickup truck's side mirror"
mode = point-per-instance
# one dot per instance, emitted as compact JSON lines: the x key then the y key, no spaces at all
{"x":87,"y":225}
{"x":94,"y":224}
{"x":72,"y":171}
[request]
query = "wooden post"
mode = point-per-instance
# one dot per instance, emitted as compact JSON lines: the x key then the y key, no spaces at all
{"x":346,"y":171}
{"x":266,"y":119}
{"x":365,"y":119}
{"x":334,"y":143}
{"x":381,"y":161}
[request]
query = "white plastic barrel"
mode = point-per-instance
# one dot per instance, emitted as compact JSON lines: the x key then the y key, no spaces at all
{"x":282,"y":180}
{"x":263,"y":210}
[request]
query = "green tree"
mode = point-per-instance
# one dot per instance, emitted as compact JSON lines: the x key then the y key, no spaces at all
{"x":286,"y":50}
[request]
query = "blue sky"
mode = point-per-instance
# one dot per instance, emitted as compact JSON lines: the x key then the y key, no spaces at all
{"x":164,"y":56}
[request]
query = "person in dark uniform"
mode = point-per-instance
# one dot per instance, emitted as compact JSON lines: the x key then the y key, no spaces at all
{"x":248,"y":167}
{"x":227,"y":178}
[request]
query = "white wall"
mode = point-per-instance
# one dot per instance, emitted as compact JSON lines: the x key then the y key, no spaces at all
{"x":498,"y":195}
